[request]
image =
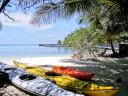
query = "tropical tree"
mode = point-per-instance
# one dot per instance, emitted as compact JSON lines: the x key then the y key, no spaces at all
{"x":84,"y":40}
{"x":50,"y":11}
{"x":113,"y":12}
{"x":101,"y":20}
{"x":113,"y":20}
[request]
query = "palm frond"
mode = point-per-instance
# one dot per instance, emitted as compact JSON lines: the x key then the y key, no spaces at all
{"x":47,"y":11}
{"x":50,"y":12}
{"x":30,"y":3}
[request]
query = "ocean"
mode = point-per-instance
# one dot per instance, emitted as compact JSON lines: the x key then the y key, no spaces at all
{"x":11,"y":51}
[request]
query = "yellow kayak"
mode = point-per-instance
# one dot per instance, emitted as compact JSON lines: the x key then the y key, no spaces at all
{"x":70,"y":83}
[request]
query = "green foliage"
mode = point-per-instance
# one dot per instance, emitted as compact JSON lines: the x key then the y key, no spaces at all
{"x":84,"y":39}
{"x":59,"y":42}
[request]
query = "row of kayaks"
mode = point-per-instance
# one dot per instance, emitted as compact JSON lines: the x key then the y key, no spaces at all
{"x":43,"y":82}
{"x":34,"y":84}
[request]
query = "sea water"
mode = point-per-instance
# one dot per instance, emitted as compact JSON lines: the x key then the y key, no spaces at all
{"x":11,"y":51}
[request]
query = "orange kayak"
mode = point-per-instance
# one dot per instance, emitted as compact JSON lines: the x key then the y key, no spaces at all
{"x":82,"y":75}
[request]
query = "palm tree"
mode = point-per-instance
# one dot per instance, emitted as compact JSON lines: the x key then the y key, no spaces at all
{"x":101,"y":20}
{"x":110,"y":15}
{"x":65,"y":9}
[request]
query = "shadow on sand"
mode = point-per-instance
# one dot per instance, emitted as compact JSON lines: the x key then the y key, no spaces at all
{"x":107,"y":71}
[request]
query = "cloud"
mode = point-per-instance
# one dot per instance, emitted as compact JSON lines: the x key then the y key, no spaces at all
{"x":23,"y":21}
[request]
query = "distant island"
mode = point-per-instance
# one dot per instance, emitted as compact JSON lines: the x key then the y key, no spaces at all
{"x":44,"y":45}
{"x":53,"y":45}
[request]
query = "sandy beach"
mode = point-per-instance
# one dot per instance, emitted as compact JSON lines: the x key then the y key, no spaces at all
{"x":107,"y":70}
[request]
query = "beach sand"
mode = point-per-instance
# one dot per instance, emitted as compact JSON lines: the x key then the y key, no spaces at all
{"x":107,"y":70}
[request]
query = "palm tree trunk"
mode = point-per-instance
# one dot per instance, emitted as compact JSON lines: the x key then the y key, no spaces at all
{"x":110,"y":41}
{"x":112,"y":46}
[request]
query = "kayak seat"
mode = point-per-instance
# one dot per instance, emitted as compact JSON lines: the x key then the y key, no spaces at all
{"x":50,"y":73}
{"x":53,"y":81}
{"x":4,"y":79}
{"x":10,"y":68}
{"x":27,"y":77}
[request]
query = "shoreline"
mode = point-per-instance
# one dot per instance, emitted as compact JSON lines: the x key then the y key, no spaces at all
{"x":64,"y":60}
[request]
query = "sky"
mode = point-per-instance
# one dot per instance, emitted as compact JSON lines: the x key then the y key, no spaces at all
{"x":22,"y":32}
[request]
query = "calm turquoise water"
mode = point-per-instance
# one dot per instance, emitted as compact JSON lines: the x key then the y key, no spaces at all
{"x":33,"y":50}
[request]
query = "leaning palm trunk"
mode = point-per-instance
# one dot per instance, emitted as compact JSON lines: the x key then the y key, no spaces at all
{"x":112,"y":47}
{"x":105,"y":23}
{"x":111,"y":43}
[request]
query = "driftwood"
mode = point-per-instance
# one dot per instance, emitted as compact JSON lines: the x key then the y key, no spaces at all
{"x":103,"y":54}
{"x":77,"y":56}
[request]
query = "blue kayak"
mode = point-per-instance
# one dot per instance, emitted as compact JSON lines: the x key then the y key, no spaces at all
{"x":33,"y":84}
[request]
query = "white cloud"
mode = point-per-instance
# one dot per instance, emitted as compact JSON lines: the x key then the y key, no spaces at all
{"x":23,"y":21}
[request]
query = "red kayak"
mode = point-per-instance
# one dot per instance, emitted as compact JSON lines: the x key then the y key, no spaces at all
{"x":74,"y":73}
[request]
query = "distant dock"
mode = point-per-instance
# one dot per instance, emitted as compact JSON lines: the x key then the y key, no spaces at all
{"x":53,"y":45}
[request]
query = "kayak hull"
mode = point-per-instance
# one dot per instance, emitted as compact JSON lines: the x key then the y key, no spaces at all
{"x":101,"y":92}
{"x":33,"y":84}
{"x":74,"y":73}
